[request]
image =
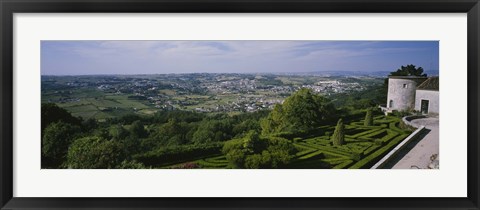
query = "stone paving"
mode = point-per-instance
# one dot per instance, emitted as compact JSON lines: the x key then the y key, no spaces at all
{"x":425,"y":154}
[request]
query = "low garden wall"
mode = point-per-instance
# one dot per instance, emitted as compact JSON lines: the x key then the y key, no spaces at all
{"x":408,"y":119}
{"x":395,"y":150}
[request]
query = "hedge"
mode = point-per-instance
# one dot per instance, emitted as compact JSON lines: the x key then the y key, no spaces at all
{"x":207,"y":164}
{"x":335,"y":161}
{"x":329,"y":149}
{"x":219,"y":159}
{"x":371,"y":149}
{"x":178,"y":154}
{"x":390,"y":135}
{"x":363,"y":133}
{"x":311,"y":155}
{"x":377,"y":155}
{"x":304,"y":152}
{"x":394,"y":127}
{"x":301,"y":147}
{"x":343,"y":165}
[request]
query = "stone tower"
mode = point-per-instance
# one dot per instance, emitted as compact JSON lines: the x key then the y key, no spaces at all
{"x":401,"y":92}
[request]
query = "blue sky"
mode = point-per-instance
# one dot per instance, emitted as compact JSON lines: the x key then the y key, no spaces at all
{"x":160,"y":57}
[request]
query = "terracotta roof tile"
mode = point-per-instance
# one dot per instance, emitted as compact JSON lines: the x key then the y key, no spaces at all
{"x":432,"y":83}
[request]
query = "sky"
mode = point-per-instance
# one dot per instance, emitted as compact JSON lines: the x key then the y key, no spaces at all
{"x":163,"y":57}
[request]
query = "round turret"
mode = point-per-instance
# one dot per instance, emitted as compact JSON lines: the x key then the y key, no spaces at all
{"x":401,"y":92}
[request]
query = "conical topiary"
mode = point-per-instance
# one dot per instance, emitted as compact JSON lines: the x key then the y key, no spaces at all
{"x":339,"y":134}
{"x":368,"y":118}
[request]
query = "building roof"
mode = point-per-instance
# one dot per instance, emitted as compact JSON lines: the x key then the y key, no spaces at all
{"x":416,"y":79}
{"x":406,"y":77}
{"x":432,"y":83}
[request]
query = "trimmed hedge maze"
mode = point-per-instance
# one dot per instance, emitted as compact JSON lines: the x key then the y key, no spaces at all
{"x":364,"y":146}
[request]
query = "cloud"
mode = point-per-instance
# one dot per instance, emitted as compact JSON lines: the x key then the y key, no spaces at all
{"x":225,"y":56}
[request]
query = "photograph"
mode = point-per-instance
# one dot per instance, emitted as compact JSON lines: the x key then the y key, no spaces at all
{"x":201,"y":104}
{"x":239,"y":104}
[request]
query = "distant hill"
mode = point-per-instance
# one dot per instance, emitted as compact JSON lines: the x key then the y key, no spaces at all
{"x":355,"y":73}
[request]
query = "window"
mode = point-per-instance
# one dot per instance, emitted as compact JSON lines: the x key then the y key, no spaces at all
{"x":391,"y":104}
{"x":405,"y":86}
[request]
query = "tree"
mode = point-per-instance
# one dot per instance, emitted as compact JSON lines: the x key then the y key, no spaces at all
{"x":203,"y":135}
{"x":175,"y":131}
{"x":409,"y":70}
{"x":274,"y":122}
{"x":89,"y":125}
{"x":246,"y":125}
{"x":256,"y":161}
{"x":368,"y":118}
{"x":339,"y":134}
{"x":57,"y":137}
{"x":251,"y":142}
{"x":52,"y":113}
{"x":303,"y":110}
{"x":212,"y":130}
{"x":118,"y":132}
{"x":254,"y":151}
{"x":137,"y":129}
{"x":131,"y":145}
{"x":169,"y":133}
{"x":95,"y":152}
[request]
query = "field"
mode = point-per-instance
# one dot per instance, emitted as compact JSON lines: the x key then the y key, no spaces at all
{"x":91,"y":103}
{"x":103,"y":97}
{"x":364,"y":146}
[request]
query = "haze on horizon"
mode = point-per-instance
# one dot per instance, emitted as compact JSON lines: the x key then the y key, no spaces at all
{"x":163,"y":57}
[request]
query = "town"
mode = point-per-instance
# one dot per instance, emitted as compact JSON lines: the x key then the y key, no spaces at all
{"x":108,"y":96}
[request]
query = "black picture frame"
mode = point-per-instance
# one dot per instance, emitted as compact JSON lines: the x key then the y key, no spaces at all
{"x":9,"y":7}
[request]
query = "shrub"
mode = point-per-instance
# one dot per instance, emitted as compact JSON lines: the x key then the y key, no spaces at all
{"x":339,"y":134}
{"x":368,"y":118}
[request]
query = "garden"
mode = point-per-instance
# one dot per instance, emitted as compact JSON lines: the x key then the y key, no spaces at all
{"x":363,"y":147}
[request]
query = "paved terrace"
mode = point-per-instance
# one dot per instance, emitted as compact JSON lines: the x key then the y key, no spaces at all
{"x":418,"y":154}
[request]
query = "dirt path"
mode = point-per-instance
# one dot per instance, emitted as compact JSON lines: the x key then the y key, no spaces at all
{"x":419,"y":155}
